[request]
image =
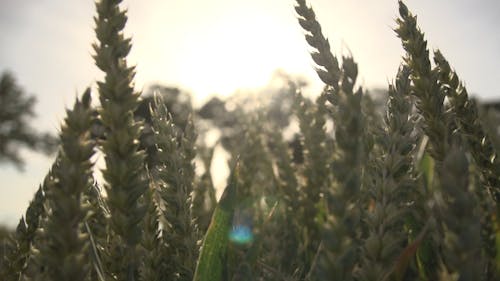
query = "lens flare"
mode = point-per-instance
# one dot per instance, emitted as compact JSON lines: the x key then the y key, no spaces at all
{"x":241,"y":234}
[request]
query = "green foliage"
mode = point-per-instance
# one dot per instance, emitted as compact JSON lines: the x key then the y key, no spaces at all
{"x":212,"y":262}
{"x":358,"y":192}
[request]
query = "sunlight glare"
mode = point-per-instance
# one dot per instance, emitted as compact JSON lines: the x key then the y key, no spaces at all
{"x":233,"y":56}
{"x":235,"y":50}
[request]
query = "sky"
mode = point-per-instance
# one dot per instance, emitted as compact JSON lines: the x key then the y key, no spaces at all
{"x":219,"y":46}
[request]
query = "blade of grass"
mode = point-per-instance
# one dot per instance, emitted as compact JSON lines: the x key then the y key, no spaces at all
{"x":212,"y":259}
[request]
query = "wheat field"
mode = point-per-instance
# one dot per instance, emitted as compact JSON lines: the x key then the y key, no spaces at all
{"x":404,"y":191}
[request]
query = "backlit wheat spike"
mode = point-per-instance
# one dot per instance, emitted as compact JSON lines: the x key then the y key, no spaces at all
{"x":18,"y":247}
{"x":174,"y":176}
{"x":151,"y":268}
{"x":425,"y":83}
{"x":63,"y":253}
{"x":470,"y":126}
{"x":124,"y":175}
{"x":480,"y":146}
{"x":394,"y":185}
{"x":343,"y":198}
{"x":350,"y":154}
{"x":30,"y":235}
{"x":329,"y":71}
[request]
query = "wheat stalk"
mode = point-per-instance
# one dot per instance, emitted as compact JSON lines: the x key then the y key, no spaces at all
{"x":124,"y":173}
{"x":18,"y":248}
{"x":174,"y":177}
{"x":470,"y":126}
{"x":393,"y":185}
{"x":151,"y":264}
{"x":479,"y":144}
{"x":425,"y":83}
{"x":63,"y":247}
{"x":329,"y":71}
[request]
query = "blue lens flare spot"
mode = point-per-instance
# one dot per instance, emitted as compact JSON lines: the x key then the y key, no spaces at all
{"x":241,"y":234}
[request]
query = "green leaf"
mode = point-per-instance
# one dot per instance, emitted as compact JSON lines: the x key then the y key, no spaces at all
{"x":212,"y":260}
{"x":426,"y":166}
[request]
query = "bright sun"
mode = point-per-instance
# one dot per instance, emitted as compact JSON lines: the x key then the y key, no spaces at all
{"x":235,"y":50}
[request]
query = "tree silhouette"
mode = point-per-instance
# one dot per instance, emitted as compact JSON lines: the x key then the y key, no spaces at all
{"x":16,"y":112}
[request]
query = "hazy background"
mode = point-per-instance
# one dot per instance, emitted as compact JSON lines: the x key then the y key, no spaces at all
{"x":220,"y":46}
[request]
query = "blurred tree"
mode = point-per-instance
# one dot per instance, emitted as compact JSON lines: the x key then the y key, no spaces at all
{"x":5,"y":233}
{"x":16,"y":111}
{"x":178,"y":104}
{"x":491,"y":104}
{"x":274,"y":102}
